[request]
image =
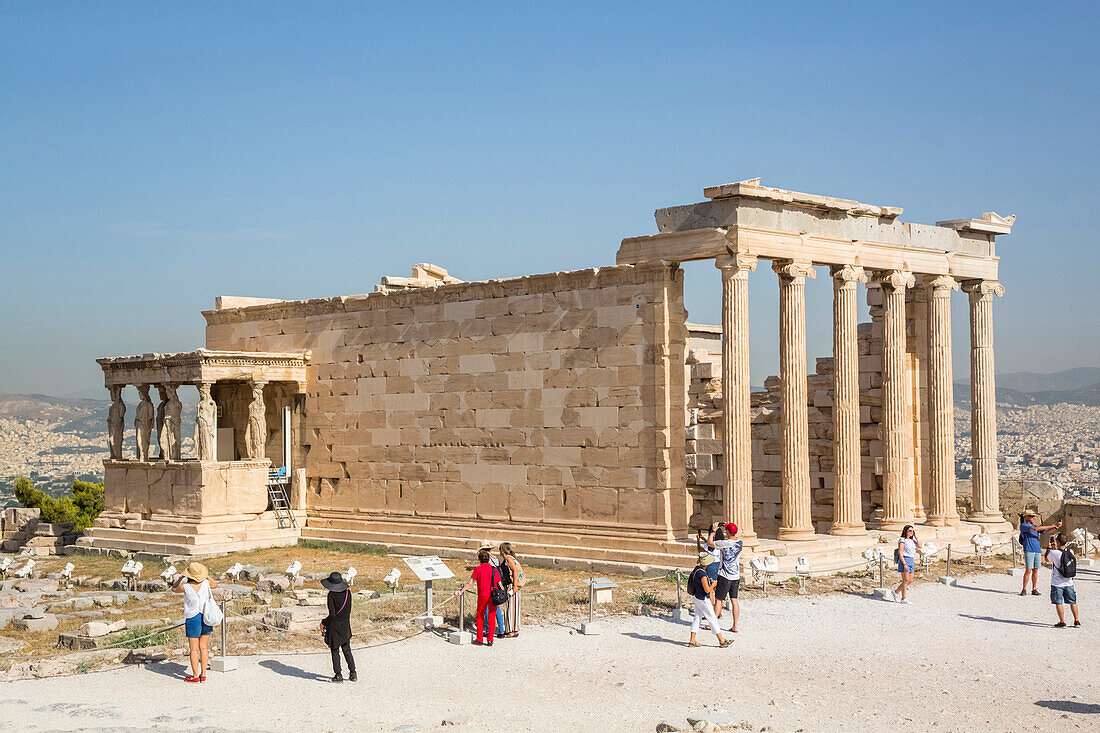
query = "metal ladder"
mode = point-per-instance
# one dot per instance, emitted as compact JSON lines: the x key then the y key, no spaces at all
{"x":276,"y":492}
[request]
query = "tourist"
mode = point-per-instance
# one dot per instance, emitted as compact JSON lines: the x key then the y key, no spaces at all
{"x":196,"y":585}
{"x":336,"y":627}
{"x":1029,"y":542}
{"x":487,"y":577}
{"x":513,"y":581}
{"x":706,"y":544}
{"x":1061,"y":579}
{"x":729,"y":569}
{"x":701,"y":588}
{"x":906,"y":556}
{"x":487,"y":545}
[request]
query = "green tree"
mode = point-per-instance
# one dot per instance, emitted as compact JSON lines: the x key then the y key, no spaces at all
{"x":80,"y":509}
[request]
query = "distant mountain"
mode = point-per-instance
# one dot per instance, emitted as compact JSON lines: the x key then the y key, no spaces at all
{"x":1064,"y":381}
{"x":44,"y":407}
{"x":1080,"y":386}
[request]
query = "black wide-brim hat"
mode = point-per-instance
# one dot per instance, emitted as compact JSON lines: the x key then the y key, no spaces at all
{"x":334,"y":582}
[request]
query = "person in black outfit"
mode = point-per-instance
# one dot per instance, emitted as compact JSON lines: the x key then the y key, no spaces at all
{"x":336,"y":627}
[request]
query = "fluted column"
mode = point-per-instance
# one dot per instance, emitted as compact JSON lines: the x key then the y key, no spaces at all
{"x":847,"y":503}
{"x":736,"y":413}
{"x":795,"y":524}
{"x":897,"y":507}
{"x":985,"y":499}
{"x":941,"y":400}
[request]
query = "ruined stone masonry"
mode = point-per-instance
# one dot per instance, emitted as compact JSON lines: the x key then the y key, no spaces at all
{"x":577,"y":414}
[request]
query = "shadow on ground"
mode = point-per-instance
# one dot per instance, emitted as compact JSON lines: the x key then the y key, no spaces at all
{"x":1016,"y":622}
{"x":288,"y":671}
{"x":1065,"y":706}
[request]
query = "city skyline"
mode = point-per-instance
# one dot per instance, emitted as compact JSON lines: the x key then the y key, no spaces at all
{"x":156,"y":159}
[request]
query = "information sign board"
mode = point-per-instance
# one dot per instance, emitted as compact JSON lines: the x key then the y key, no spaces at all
{"x":429,"y":568}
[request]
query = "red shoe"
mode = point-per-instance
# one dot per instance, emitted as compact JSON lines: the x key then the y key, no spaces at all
{"x":202,"y":678}
{"x":191,"y":679}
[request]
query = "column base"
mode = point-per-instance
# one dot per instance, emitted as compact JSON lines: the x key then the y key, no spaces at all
{"x":986,"y":518}
{"x":795,"y":534}
{"x":848,"y":529}
{"x":749,"y":539}
{"x":894,"y":525}
{"x":935,"y":520}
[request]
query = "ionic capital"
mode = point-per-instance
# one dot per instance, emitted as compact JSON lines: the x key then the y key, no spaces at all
{"x":736,"y":263}
{"x":896,"y":279}
{"x":848,"y":273}
{"x":983,"y":288}
{"x":941,"y":282}
{"x":794,"y":269}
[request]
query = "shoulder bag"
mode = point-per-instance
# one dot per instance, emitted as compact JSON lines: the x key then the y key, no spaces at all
{"x":211,"y":614}
{"x":497,"y":596}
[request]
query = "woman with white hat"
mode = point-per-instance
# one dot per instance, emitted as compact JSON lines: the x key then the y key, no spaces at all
{"x":701,"y":588}
{"x":195,"y":584}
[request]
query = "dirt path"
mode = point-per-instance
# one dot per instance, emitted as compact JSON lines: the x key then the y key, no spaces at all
{"x":975,"y":658}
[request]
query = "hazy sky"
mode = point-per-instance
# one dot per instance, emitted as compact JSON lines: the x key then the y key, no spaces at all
{"x":154,"y":155}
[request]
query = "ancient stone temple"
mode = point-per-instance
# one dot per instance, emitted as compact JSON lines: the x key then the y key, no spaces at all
{"x":578,"y":414}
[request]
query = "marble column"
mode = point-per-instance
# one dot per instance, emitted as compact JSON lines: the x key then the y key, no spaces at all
{"x":116,"y":423}
{"x":206,"y":419}
{"x":255,"y":439}
{"x":795,"y":523}
{"x":173,"y":422}
{"x":162,"y":436}
{"x":847,"y":502}
{"x":897,"y":505}
{"x":985,"y":499}
{"x":736,"y":412}
{"x":941,"y":401}
{"x":143,"y":423}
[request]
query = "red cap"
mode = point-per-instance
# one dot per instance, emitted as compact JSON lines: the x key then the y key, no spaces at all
{"x":731,"y":528}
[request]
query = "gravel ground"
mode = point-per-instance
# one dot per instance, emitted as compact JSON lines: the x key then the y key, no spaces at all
{"x":973,"y":658}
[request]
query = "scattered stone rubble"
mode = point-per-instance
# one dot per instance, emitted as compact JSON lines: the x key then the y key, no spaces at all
{"x":23,"y":529}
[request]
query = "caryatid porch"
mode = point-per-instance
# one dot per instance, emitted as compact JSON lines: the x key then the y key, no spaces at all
{"x":745,"y":222}
{"x":246,"y":422}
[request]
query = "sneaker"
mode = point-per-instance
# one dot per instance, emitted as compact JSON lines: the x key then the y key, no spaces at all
{"x":1060,"y":625}
{"x":894,"y":594}
{"x":353,"y":677}
{"x":1023,"y":592}
{"x":338,"y":678}
{"x":1076,"y":624}
{"x":1034,"y":592}
{"x":906,"y":601}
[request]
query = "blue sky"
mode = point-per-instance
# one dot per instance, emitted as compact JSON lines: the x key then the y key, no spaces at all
{"x":153,"y":156}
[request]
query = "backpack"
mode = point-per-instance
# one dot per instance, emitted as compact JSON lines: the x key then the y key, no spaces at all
{"x":1067,"y":564}
{"x":695,"y":586}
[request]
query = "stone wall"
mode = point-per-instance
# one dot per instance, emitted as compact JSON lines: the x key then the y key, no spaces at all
{"x":22,"y":528}
{"x":1016,"y":496}
{"x":553,"y":399}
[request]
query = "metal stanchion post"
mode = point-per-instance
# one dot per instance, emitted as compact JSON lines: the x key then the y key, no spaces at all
{"x":223,"y":662}
{"x":681,"y":613}
{"x":591,"y":627}
{"x":462,"y":636}
{"x":881,"y":574}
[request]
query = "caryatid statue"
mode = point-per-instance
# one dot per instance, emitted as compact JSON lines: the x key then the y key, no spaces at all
{"x":173,"y":414}
{"x":205,"y":424}
{"x":116,"y":423}
{"x":143,"y":423}
{"x":255,"y":437}
{"x":162,"y":437}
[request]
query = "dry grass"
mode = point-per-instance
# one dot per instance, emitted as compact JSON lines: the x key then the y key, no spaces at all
{"x":551,"y":597}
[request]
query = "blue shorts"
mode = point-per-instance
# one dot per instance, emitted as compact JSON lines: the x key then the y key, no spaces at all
{"x":195,"y":627}
{"x":1032,"y":560}
{"x":1060,"y":594}
{"x":905,"y":564}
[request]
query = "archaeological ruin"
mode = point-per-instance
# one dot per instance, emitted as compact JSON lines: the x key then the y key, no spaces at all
{"x":579,"y":414}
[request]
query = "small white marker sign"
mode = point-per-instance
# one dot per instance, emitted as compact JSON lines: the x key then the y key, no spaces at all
{"x":429,"y":568}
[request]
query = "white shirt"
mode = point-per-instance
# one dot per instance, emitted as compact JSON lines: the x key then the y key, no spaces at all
{"x":193,"y":600}
{"x":908,"y":547}
{"x":1056,"y":579}
{"x":729,"y":555}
